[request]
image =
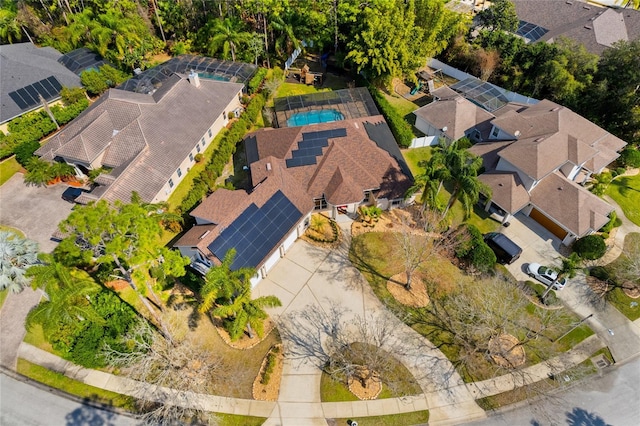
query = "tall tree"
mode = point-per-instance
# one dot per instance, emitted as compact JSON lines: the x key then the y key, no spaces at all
{"x":500,"y":16}
{"x":227,"y":294}
{"x":126,"y":236}
{"x":9,"y":27}
{"x":17,"y":254}
{"x":226,"y":35}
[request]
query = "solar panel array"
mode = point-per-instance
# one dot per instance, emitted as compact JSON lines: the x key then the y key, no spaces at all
{"x":311,"y":146}
{"x":79,"y":60}
{"x":481,"y":93}
{"x":209,"y":68}
{"x":27,"y":97}
{"x":531,"y":32}
{"x":257,"y":231}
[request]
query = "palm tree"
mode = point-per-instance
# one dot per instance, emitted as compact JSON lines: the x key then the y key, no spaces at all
{"x":228,"y":35}
{"x":227,"y":294}
{"x":17,"y":254}
{"x":67,"y":291}
{"x":429,"y":182}
{"x":286,"y":41}
{"x":463,"y":168}
{"x":568,"y":268}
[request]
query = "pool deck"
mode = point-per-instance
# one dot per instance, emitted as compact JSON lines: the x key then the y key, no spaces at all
{"x":348,"y":110}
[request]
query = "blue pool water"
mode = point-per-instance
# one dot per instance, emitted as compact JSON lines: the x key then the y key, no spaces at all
{"x":314,"y":117}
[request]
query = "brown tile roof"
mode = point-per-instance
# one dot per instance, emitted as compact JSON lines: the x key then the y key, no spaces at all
{"x":150,"y":137}
{"x":362,"y":163}
{"x":341,"y":189}
{"x":570,"y":204}
{"x":455,"y":113}
{"x":594,"y":27}
{"x":220,"y":205}
{"x":508,"y":190}
{"x":489,"y":152}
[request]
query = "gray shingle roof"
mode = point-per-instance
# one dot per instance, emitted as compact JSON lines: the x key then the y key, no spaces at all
{"x":143,"y":139}
{"x":22,"y":64}
{"x":595,"y":27}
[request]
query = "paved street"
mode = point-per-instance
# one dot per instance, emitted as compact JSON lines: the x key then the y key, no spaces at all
{"x":23,"y":404}
{"x":610,"y":399}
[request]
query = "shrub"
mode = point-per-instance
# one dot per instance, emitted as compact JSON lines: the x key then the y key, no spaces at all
{"x":231,"y":115}
{"x":630,"y":157}
{"x":25,"y":151}
{"x":590,"y":247}
{"x":600,"y":273}
{"x":255,"y":83}
{"x":399,"y":127}
{"x":614,"y":222}
{"x":71,"y":95}
{"x":482,"y":257}
{"x":98,"y":81}
{"x":464,"y":143}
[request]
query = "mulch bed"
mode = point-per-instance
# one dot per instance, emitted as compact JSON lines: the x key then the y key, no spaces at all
{"x":270,"y":391}
{"x":371,"y":391}
{"x":244,"y":342}
{"x":506,"y":352}
{"x":417,"y":297}
{"x":116,"y":285}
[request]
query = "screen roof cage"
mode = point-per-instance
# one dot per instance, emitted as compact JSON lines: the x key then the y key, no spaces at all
{"x":352,"y":103}
{"x":208,"y":68}
{"x":81,"y":59}
{"x":482,"y":93}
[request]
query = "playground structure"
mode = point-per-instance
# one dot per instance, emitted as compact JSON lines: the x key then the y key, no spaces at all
{"x":306,"y":76}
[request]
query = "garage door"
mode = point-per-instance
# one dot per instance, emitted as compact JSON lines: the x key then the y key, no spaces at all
{"x":550,"y":225}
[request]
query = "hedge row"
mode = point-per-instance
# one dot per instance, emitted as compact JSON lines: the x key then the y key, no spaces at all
{"x":30,"y":128}
{"x":256,"y":81}
{"x":399,"y":127}
{"x":205,"y":182}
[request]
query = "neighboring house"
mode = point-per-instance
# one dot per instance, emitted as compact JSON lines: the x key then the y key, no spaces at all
{"x":27,"y":73}
{"x":594,"y":27}
{"x":451,"y":117}
{"x":535,"y":159}
{"x":330,"y":167}
{"x":147,"y":141}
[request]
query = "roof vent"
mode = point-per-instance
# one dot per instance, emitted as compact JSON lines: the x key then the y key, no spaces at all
{"x":560,"y":188}
{"x":587,"y":27}
{"x":569,"y":2}
{"x":540,"y":139}
{"x":445,"y":128}
{"x":517,"y":133}
{"x":555,"y":109}
{"x":586,"y":7}
{"x":269,"y":166}
{"x":205,"y":234}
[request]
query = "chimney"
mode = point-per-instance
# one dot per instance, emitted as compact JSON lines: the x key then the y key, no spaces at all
{"x":269,"y":166}
{"x":194,"y":79}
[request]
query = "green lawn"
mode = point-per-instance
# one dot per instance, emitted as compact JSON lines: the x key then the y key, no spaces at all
{"x":293,"y":89}
{"x":374,"y":254}
{"x":625,"y":190}
{"x":3,"y":296}
{"x":402,"y":105}
{"x":74,"y":387}
{"x":236,"y":420}
{"x":406,"y":419}
{"x":416,"y":155}
{"x":625,"y":304}
{"x":8,"y":168}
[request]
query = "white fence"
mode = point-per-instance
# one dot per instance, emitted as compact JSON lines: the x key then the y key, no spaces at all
{"x":424,"y":141}
{"x":461,"y":75}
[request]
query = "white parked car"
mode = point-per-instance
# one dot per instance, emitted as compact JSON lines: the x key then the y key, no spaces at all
{"x":545,"y":275}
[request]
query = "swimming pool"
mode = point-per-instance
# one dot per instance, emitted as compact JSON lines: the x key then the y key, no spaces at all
{"x":314,"y":117}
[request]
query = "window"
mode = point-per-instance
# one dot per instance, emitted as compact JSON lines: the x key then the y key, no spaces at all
{"x":321,"y":203}
{"x":210,"y":133}
{"x":198,"y":147}
{"x":396,"y":203}
{"x":202,"y":141}
{"x":170,"y":183}
{"x":224,"y":115}
{"x":495,"y":132}
{"x":179,"y":172}
{"x":191,"y":157}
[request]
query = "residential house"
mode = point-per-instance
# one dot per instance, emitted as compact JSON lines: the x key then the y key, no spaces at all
{"x":536,"y":159}
{"x":596,"y":28}
{"x":29,"y":74}
{"x":452,"y":117}
{"x":147,"y":142}
{"x":295,"y":171}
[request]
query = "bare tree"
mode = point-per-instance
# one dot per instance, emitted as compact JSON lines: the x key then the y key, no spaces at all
{"x":416,"y":246}
{"x":344,"y":349}
{"x":486,"y":61}
{"x":167,"y":374}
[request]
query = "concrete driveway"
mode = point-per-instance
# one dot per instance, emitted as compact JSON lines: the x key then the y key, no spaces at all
{"x":537,"y":243}
{"x":36,"y":211}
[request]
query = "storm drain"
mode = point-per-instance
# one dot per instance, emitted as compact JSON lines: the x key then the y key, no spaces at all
{"x":600,"y":361}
